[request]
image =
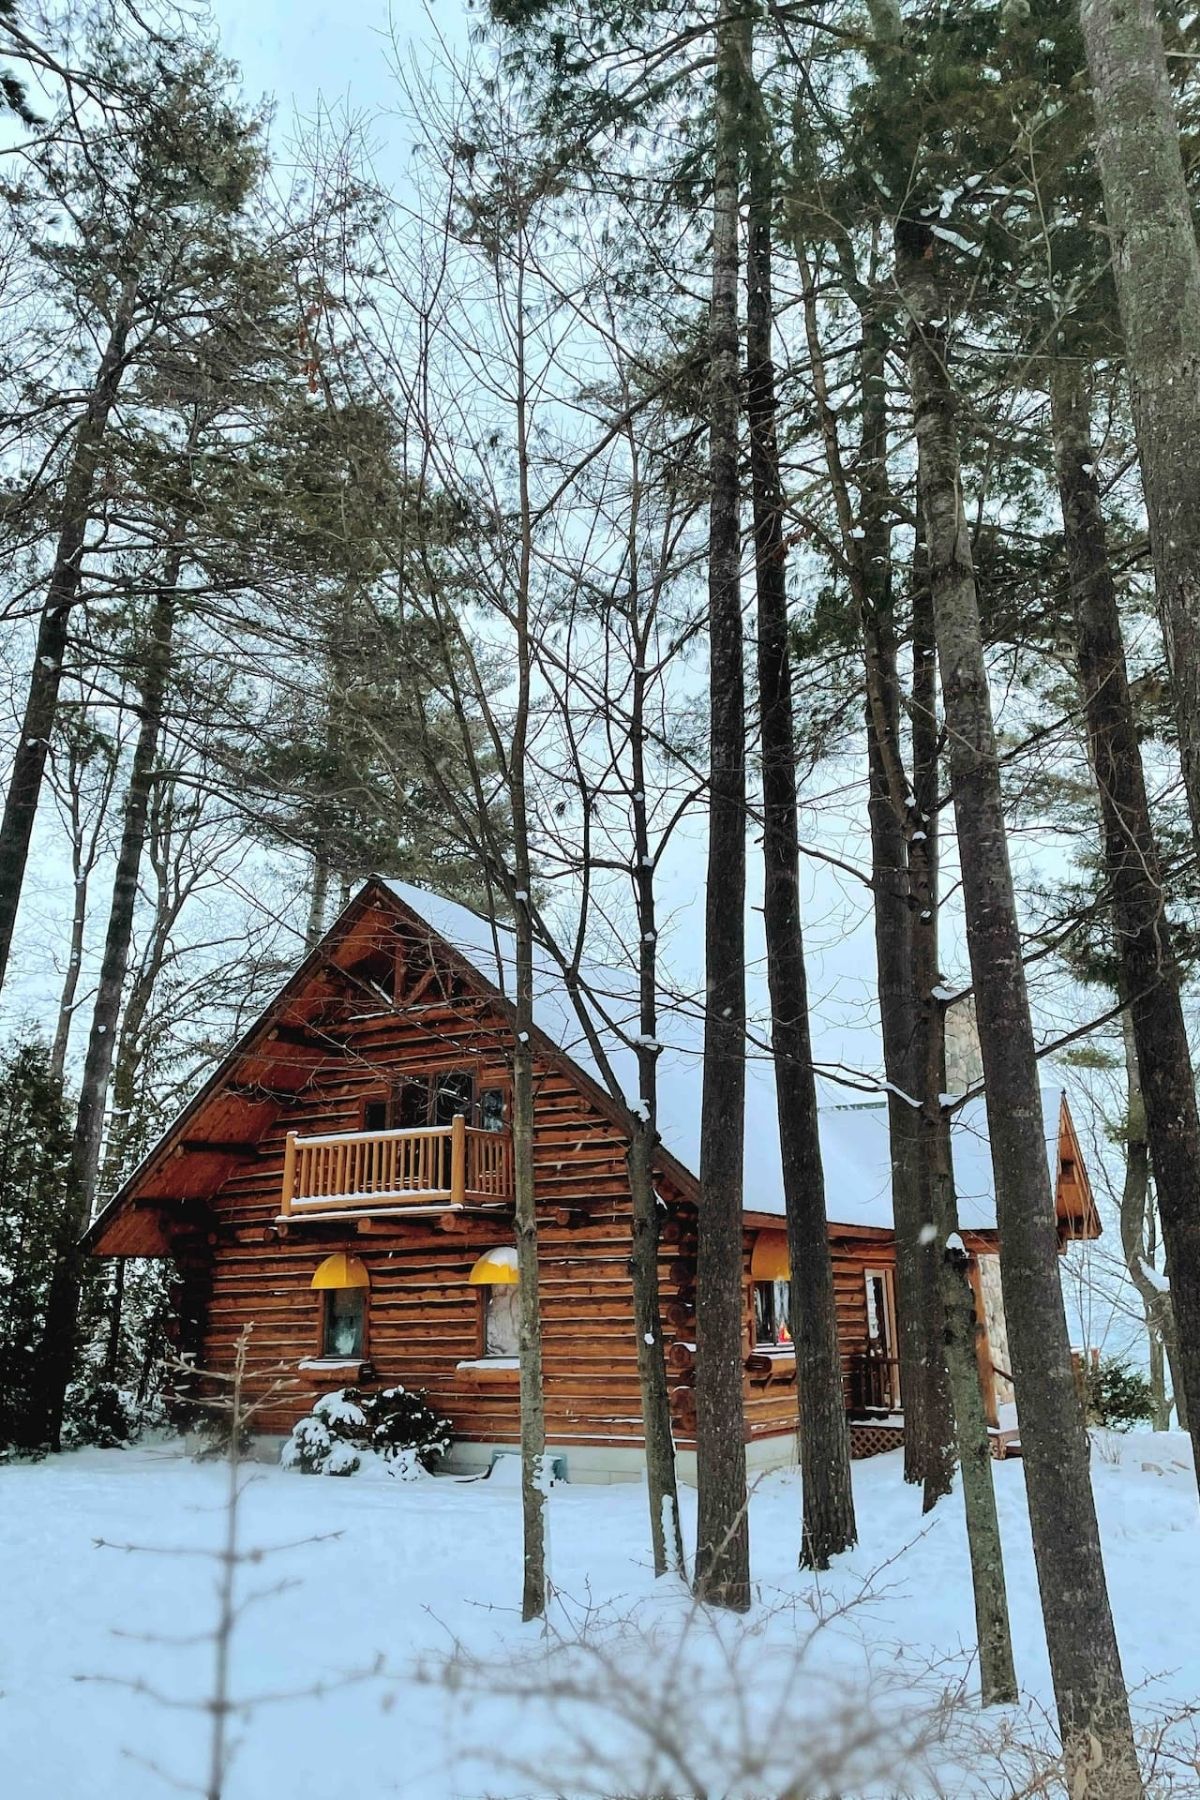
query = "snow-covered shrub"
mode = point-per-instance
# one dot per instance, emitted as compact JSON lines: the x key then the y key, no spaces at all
{"x":100,"y":1413}
{"x":404,"y":1425}
{"x":1118,"y":1396}
{"x":395,"y":1432}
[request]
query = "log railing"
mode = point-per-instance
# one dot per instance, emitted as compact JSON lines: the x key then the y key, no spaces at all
{"x":372,"y":1171}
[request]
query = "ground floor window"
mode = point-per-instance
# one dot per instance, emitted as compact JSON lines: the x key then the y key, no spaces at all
{"x":501,"y":1320}
{"x":345,"y":1322}
{"x":771,"y":1312}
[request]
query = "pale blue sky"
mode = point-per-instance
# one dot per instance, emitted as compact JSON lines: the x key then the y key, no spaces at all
{"x":303,"y":52}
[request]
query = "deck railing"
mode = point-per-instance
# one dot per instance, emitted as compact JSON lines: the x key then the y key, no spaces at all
{"x":874,"y":1382}
{"x":373,"y":1171}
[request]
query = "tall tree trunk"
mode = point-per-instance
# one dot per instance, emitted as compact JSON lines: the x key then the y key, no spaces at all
{"x":866,"y":546}
{"x":1089,"y":1686}
{"x":886,"y":813}
{"x":829,"y":1525}
{"x":960,"y":1326}
{"x":1150,"y":977}
{"x":1156,"y":266}
{"x":535,"y":1480}
{"x":57,"y":1351}
{"x":666,"y":1533}
{"x":722,"y":1570}
{"x":41,"y":703}
{"x":928,"y":1425}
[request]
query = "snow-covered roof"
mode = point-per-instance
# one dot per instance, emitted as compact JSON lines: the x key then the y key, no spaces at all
{"x":854,"y":1127}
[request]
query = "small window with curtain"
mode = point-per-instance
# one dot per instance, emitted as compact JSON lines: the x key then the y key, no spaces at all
{"x":491,"y":1109}
{"x":501,"y":1321}
{"x":345,"y":1322}
{"x":343,"y":1284}
{"x":495,"y":1275}
{"x":771,"y":1300}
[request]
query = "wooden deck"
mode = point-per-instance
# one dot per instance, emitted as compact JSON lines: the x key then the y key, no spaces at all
{"x":348,"y":1174}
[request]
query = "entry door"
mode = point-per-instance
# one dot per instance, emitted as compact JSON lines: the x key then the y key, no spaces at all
{"x":883,"y":1367}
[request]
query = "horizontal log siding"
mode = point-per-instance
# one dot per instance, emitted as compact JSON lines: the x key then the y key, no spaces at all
{"x":423,"y":1317}
{"x":771,"y":1407}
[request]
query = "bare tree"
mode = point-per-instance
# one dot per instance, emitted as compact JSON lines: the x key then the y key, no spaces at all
{"x":722,"y":1570}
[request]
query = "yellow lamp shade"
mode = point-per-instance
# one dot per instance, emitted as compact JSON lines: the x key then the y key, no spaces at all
{"x":341,"y":1271}
{"x":769,"y":1257}
{"x":495,"y":1268}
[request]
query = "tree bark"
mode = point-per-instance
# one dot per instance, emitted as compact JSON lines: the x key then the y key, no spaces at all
{"x":66,"y":574}
{"x":1156,"y":266}
{"x":960,"y":1327}
{"x":57,"y":1352}
{"x":829,"y":1526}
{"x":1150,"y":976}
{"x":1138,"y":1243}
{"x":1089,"y":1686}
{"x":666,"y":1532}
{"x":928,"y":1424}
{"x":722,"y":1569}
{"x":535,"y":1474}
{"x":928,"y":1446}
{"x":318,"y":898}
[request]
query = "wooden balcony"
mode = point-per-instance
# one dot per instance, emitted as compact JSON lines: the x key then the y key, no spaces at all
{"x":440,"y":1168}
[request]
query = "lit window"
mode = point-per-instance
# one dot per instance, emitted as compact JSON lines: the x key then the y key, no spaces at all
{"x":345,"y":1317}
{"x":343,"y":1283}
{"x":771,"y":1300}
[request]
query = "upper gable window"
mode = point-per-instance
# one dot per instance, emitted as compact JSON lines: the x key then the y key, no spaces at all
{"x":453,"y":1093}
{"x":420,"y":1100}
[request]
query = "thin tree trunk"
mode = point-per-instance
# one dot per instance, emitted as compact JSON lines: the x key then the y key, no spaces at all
{"x":928,"y":1450}
{"x":960,"y":1327}
{"x":318,"y":900}
{"x":1138,"y":1239}
{"x":62,"y":1304}
{"x":1156,"y":265}
{"x":666,"y":1533}
{"x":1089,"y":1686}
{"x":534,"y":1467}
{"x":722,"y":1570}
{"x":928,"y":1447}
{"x":928,"y":1415}
{"x":1150,"y":977}
{"x":70,"y":984}
{"x":112,"y":1353}
{"x":41,"y":704}
{"x":828,"y":1499}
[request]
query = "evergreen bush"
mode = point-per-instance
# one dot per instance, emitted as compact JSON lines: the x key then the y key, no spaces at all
{"x":395,"y":1431}
{"x":1117,"y":1395}
{"x":35,"y":1148}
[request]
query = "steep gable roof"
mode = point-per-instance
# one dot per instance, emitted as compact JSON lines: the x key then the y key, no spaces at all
{"x":855,"y":1141}
{"x":229,"y":1112}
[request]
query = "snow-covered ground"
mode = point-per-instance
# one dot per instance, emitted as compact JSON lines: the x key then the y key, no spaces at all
{"x":856,"y":1682}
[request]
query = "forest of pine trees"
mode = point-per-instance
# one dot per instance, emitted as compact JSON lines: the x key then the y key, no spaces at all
{"x":757,"y":439}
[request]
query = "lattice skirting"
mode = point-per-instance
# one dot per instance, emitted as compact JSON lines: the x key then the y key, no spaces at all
{"x":873,"y":1440}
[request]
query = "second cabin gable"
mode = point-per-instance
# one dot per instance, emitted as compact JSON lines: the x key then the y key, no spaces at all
{"x":415,"y":1045}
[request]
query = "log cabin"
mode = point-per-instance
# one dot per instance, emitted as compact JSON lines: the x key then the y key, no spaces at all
{"x":343,"y":1183}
